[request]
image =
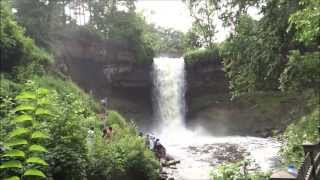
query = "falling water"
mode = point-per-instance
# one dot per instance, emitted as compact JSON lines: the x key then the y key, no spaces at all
{"x":198,"y":152}
{"x":169,"y":91}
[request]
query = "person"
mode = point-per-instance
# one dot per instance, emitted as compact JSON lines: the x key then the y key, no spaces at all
{"x":105,"y":132}
{"x":109,"y":132}
{"x":90,"y":136}
{"x":91,"y":132}
{"x":104,"y":102}
{"x":152,"y":142}
{"x":159,"y":150}
{"x":147,"y":141}
{"x":140,"y":134}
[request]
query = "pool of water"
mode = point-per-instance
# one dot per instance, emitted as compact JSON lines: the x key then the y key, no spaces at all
{"x":200,"y":154}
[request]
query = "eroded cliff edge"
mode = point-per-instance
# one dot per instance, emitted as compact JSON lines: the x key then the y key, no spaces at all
{"x":110,"y":69}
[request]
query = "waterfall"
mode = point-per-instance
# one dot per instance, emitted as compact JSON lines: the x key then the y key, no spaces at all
{"x":197,"y":151}
{"x":169,"y":93}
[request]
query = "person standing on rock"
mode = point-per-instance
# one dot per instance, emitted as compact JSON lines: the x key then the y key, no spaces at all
{"x":147,"y":141}
{"x":90,"y":136}
{"x":104,"y":102}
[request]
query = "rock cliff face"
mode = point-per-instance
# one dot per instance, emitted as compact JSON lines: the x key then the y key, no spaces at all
{"x":211,"y":108}
{"x":109,"y":70}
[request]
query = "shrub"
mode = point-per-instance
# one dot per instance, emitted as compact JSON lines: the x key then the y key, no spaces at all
{"x":124,"y":156}
{"x":16,"y":48}
{"x":201,"y":55}
{"x":302,"y":131}
{"x":23,"y":156}
{"x":232,"y":171}
{"x":70,"y":156}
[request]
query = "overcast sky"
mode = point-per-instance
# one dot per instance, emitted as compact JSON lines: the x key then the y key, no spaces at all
{"x":175,"y":14}
{"x":166,"y":13}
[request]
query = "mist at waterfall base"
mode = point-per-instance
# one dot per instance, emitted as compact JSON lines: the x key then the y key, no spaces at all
{"x":198,"y":151}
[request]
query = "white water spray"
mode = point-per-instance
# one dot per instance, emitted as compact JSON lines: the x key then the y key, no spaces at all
{"x":169,"y":92}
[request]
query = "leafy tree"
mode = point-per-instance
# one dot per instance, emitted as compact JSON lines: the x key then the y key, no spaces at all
{"x":42,"y":19}
{"x":306,"y":21}
{"x":163,"y":40}
{"x":264,"y":57}
{"x":232,"y":10}
{"x":204,"y":13}
{"x":302,"y":69}
{"x":16,"y":48}
{"x":191,"y":41}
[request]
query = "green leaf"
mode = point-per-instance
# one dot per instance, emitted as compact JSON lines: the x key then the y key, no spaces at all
{"x":23,"y":118}
{"x":34,"y":172}
{"x":39,"y":134}
{"x":24,"y":107}
{"x":14,"y":153}
{"x":37,"y":160}
{"x":26,"y":95}
{"x":16,"y":142}
{"x":11,"y":164}
{"x":43,"y":91}
{"x":18,"y":132}
{"x":13,"y":178}
{"x":43,"y":101}
{"x":41,"y":111}
{"x":37,"y":148}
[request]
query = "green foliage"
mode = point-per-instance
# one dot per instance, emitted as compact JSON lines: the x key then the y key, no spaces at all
{"x":307,"y":21}
{"x":247,"y":59}
{"x":163,"y":40}
{"x":204,"y":14}
{"x":126,"y":152}
{"x":16,"y":48}
{"x":304,"y":130}
{"x":202,"y":55}
{"x":191,"y":41}
{"x":64,"y":124}
{"x":236,"y":171}
{"x":21,"y":137}
{"x":302,"y":71}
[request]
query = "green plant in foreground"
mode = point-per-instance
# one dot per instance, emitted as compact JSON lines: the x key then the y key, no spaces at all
{"x":236,"y":171}
{"x":23,"y":156}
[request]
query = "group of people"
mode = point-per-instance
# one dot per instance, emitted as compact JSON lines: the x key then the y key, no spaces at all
{"x":154,"y":144}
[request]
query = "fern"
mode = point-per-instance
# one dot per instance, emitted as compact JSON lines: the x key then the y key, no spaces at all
{"x":23,"y":147}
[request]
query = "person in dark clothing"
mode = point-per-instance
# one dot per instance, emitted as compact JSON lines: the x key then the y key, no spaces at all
{"x":159,"y":150}
{"x":107,"y":132}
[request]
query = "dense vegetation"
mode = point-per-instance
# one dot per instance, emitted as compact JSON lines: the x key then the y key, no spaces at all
{"x":277,"y":52}
{"x":45,"y":118}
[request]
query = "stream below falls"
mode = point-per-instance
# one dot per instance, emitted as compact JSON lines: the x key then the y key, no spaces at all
{"x":199,"y":155}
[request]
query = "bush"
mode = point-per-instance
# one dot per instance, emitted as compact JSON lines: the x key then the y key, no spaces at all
{"x":8,"y":90}
{"x":125,"y":152}
{"x":232,"y":171}
{"x":16,"y":48}
{"x":23,"y":155}
{"x":303,"y":131}
{"x":69,"y":155}
{"x":200,"y":55}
